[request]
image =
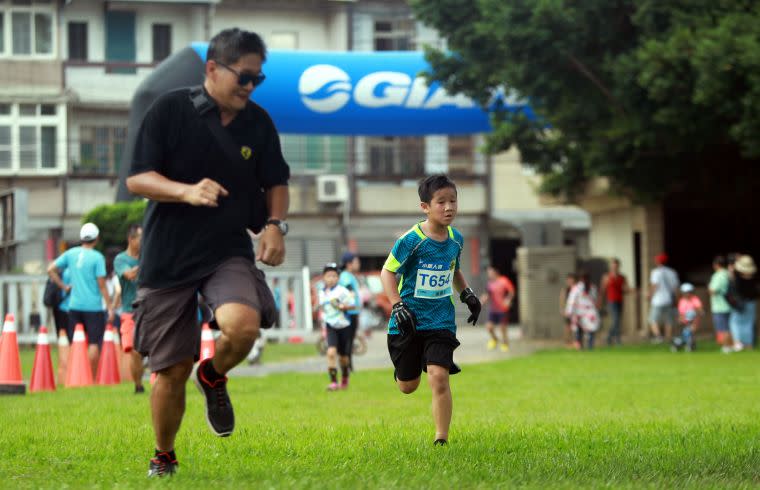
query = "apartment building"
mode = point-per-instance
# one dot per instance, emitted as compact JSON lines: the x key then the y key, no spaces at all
{"x":69,"y":70}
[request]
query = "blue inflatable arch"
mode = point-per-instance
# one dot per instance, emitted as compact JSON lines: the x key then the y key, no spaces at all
{"x":328,"y":93}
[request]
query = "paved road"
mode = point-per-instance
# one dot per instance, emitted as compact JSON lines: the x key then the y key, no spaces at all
{"x":472,"y":350}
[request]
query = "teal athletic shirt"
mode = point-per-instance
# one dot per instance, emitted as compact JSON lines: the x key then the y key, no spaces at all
{"x":426,"y":270}
{"x":86,"y":265}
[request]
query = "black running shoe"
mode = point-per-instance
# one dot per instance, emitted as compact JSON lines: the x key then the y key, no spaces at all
{"x":162,"y":465}
{"x":440,"y":442}
{"x":219,"y":414}
{"x":139,"y":389}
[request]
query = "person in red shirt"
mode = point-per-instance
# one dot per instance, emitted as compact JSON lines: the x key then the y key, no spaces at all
{"x":499,"y":297}
{"x":614,"y":286}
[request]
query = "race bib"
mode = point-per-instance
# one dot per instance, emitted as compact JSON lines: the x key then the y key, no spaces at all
{"x":433,"y":281}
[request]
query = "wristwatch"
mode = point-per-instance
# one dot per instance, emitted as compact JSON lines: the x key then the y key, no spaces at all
{"x":281,"y":225}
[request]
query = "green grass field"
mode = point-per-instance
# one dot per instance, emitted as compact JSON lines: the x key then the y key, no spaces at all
{"x":637,"y":417}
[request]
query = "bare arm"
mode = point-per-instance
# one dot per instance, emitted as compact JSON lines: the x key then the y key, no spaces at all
{"x":53,"y":273}
{"x":116,"y":300}
{"x":106,"y":297}
{"x":390,"y":285}
{"x":272,"y":243}
{"x":156,"y":187}
{"x":131,"y":274}
{"x":460,"y":283}
{"x":278,"y":201}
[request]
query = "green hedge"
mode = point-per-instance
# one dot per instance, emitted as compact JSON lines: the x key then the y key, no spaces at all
{"x":114,"y":220}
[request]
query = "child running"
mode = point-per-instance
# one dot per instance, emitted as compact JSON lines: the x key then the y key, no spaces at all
{"x":334,"y":300}
{"x":422,"y":330}
{"x":499,"y":297}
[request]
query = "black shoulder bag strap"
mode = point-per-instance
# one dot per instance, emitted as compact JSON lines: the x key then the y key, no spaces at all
{"x":205,"y":107}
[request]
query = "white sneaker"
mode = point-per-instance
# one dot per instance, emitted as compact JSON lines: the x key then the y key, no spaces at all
{"x":738,"y":347}
{"x":726,"y":349}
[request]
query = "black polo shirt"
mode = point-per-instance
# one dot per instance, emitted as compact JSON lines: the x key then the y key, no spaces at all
{"x":182,"y":243}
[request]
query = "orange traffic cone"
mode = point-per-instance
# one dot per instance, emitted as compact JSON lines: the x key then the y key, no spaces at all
{"x":108,"y":367}
{"x":79,"y":372}
{"x":10,"y":362}
{"x":208,"y":347}
{"x":42,"y":372}
{"x":63,"y":356}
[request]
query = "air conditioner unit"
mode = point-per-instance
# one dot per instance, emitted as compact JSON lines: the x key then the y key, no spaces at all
{"x":332,"y":188}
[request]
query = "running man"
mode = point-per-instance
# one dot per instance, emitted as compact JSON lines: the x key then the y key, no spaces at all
{"x":195,"y":232}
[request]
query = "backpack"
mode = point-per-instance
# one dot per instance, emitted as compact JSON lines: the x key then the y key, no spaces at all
{"x":52,"y":295}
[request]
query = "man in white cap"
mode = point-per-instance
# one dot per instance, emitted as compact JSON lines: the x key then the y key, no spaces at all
{"x":87,"y":290}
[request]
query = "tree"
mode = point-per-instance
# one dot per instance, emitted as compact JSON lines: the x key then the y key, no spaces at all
{"x":113,"y":220}
{"x":657,"y":96}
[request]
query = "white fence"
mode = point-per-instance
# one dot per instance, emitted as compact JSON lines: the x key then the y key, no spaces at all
{"x":22,"y":296}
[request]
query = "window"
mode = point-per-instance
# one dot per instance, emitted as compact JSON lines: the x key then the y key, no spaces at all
{"x":100,"y":149}
{"x":393,"y":156}
{"x":26,"y":28}
{"x":78,"y":41}
{"x":461,"y":154}
{"x":31,"y":137}
{"x":395,"y":34}
{"x":5,"y":147}
{"x":162,"y":41}
{"x":314,"y":154}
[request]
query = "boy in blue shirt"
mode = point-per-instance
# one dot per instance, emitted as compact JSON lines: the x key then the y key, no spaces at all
{"x":422,"y":329}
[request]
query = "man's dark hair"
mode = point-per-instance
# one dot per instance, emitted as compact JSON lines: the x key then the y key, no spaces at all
{"x":615,"y":260}
{"x":429,"y":185}
{"x":232,"y":44}
{"x":132,"y":230}
{"x":720,"y":261}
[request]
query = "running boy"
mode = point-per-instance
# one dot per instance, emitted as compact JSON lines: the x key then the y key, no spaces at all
{"x":499,"y":297}
{"x":422,"y":330}
{"x":334,"y":300}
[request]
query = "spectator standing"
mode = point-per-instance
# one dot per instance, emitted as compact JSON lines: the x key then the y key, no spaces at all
{"x":581,"y":309}
{"x":664,"y":284}
{"x":88,"y":289}
{"x":719,"y":307}
{"x":614,"y":287}
{"x":742,"y":295}
{"x":127,"y":267}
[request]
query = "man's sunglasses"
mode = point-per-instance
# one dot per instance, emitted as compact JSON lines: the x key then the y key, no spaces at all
{"x":245,"y":78}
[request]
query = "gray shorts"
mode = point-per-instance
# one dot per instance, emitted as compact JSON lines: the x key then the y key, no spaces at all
{"x":663,"y":315}
{"x":167,"y":321}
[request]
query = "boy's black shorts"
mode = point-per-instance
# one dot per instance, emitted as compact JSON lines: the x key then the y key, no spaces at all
{"x":342,"y":339}
{"x":412,"y":354}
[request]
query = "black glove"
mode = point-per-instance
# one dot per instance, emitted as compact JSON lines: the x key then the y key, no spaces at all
{"x":404,"y":318}
{"x":467,"y":296}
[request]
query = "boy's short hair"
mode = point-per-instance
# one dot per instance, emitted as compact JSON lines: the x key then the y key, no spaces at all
{"x":133,"y":229}
{"x":432,"y":183}
{"x":230,"y":45}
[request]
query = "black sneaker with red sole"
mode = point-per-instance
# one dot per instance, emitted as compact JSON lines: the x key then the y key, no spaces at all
{"x":219,"y":414}
{"x":162,"y":465}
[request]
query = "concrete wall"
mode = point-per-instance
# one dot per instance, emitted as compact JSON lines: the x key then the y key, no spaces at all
{"x":390,"y":197}
{"x":315,"y":28}
{"x":615,"y":221}
{"x":542,"y":272}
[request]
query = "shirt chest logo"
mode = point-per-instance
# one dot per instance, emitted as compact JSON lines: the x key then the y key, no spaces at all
{"x":245,"y":152}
